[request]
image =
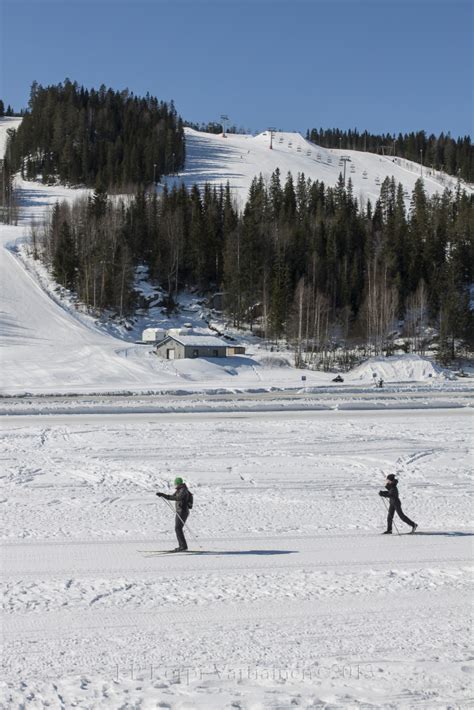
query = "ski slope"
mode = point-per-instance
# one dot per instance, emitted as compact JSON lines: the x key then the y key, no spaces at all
{"x":237,"y":159}
{"x":296,"y":601}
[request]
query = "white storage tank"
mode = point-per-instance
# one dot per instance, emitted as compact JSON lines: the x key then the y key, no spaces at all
{"x":186,"y":329}
{"x":153,"y":335}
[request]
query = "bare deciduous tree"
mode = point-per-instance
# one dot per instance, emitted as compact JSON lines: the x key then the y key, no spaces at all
{"x":380,"y":307}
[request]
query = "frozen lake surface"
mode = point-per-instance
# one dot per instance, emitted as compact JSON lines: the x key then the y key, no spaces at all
{"x":296,"y":600}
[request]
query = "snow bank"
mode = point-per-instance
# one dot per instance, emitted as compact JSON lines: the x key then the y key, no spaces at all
{"x":273,"y":360}
{"x":402,"y":368}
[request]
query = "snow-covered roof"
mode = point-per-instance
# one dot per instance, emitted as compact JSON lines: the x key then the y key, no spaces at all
{"x":195,"y":341}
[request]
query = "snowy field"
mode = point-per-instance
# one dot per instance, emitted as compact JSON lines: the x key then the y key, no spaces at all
{"x":296,"y":600}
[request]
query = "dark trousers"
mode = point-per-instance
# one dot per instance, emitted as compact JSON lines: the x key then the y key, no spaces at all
{"x":178,"y":528}
{"x":397,"y":506}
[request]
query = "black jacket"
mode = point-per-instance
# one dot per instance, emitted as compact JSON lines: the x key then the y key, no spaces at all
{"x":391,"y":492}
{"x":181,"y":496}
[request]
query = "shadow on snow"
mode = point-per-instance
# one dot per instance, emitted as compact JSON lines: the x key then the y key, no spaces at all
{"x":446,"y":533}
{"x":246,"y":552}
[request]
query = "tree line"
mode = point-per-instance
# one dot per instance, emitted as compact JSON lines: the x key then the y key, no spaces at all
{"x":216,"y":128}
{"x":8,"y":111}
{"x":439,"y":152}
{"x":96,"y":138}
{"x":301,"y":261}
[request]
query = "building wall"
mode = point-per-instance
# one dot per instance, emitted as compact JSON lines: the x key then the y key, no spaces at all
{"x":163,"y":348}
{"x":187,"y":351}
{"x":205,"y":351}
{"x":179,"y":350}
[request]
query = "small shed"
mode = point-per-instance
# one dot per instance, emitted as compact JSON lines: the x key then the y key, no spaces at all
{"x":235,"y":350}
{"x":177,"y":347}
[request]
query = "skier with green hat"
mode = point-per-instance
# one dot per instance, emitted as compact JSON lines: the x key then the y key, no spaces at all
{"x":184,"y":502}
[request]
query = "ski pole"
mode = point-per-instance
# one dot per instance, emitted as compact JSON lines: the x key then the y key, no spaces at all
{"x":183,"y":521}
{"x":385,"y":504}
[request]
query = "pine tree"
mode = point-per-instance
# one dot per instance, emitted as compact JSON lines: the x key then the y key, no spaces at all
{"x":279,"y":296}
{"x":65,"y":257}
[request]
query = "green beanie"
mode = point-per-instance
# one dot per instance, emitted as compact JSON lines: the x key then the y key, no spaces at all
{"x":178,"y":481}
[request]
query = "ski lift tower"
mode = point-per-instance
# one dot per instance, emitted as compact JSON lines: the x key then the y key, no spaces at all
{"x":224,"y":119}
{"x":388,"y":149}
{"x":345,"y":159}
{"x":272,"y":132}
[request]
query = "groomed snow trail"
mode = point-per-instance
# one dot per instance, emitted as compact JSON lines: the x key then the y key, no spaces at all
{"x":296,"y":600}
{"x":237,"y":159}
{"x":47,"y":342}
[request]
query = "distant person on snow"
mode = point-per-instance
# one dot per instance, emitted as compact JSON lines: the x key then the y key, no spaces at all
{"x":184,"y":503}
{"x":395,"y":505}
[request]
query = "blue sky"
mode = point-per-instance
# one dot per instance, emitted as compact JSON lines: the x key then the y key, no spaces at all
{"x":379,"y":65}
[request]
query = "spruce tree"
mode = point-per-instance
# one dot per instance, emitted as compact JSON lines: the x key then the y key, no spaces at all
{"x":65,"y":257}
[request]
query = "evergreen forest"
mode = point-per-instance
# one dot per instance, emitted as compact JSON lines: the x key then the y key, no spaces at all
{"x":442,"y":152}
{"x":98,"y":138}
{"x":301,"y":261}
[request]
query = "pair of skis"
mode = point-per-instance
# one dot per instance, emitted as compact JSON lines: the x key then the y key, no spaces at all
{"x":154,"y":553}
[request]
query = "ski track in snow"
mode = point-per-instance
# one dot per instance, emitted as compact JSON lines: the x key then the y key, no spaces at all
{"x":296,"y":601}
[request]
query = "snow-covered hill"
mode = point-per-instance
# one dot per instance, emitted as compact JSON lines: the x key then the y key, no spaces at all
{"x":238,"y":159}
{"x":49,"y":347}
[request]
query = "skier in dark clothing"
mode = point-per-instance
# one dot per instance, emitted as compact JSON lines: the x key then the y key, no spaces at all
{"x":184,"y":502}
{"x":395,"y":505}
